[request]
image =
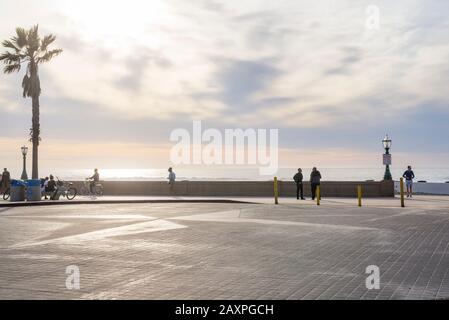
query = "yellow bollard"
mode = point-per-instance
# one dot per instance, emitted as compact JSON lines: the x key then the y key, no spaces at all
{"x":318,"y":195}
{"x":401,"y":184}
{"x":359,"y":195}
{"x":276,"y":190}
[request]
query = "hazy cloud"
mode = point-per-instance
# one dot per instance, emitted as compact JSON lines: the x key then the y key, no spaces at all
{"x":312,"y":69}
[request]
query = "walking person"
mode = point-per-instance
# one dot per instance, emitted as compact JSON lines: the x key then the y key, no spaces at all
{"x":171,"y":179}
{"x":409,"y":175}
{"x":6,"y":180}
{"x":315,"y":180}
{"x":298,"y":177}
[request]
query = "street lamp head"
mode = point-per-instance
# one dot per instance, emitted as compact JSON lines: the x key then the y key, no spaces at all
{"x":386,"y":142}
{"x":24,"y":150}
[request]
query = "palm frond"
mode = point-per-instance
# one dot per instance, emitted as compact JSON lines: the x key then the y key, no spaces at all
{"x":47,"y":56}
{"x":10,"y":58}
{"x":21,"y":39}
{"x":11,"y":45}
{"x":48,"y":39}
{"x":31,"y":86}
{"x":26,"y":86}
{"x":33,"y":40}
{"x":11,"y":68}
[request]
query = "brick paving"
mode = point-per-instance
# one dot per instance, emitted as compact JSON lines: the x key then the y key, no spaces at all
{"x":295,"y":250}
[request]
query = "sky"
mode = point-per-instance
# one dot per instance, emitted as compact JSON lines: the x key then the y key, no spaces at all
{"x":331,"y":82}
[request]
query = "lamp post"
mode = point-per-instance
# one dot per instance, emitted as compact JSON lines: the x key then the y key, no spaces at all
{"x":24,"y":171}
{"x":387,"y":157}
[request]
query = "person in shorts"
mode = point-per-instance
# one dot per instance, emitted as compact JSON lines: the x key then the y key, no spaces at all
{"x":409,"y":175}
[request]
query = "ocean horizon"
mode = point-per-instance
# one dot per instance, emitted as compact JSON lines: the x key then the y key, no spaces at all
{"x":246,"y":174}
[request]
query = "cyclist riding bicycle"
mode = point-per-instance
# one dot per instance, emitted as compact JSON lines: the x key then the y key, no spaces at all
{"x":94,"y":180}
{"x":5,"y":180}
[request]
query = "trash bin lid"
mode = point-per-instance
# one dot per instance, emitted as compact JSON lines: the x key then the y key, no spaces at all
{"x":33,"y":183}
{"x":17,"y":183}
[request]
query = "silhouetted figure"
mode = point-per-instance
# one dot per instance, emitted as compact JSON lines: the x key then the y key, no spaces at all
{"x":315,"y":180}
{"x":171,"y":178}
{"x":94,"y":180}
{"x":44,"y":184}
{"x":409,"y":175}
{"x":6,"y":180}
{"x":51,"y":187}
{"x":299,"y":187}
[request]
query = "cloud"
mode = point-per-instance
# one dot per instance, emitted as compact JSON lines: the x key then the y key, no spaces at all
{"x":136,"y":66}
{"x":141,"y":68}
{"x":207,"y":60}
{"x":238,"y":80}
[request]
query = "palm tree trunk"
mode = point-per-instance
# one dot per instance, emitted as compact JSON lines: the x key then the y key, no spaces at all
{"x":35,"y":136}
{"x":35,"y":125}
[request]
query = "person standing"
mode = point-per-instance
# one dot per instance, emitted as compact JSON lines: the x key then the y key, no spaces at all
{"x":6,"y":180}
{"x":409,"y":175}
{"x":44,"y":185}
{"x":298,"y":177}
{"x":315,"y":181}
{"x":171,"y":178}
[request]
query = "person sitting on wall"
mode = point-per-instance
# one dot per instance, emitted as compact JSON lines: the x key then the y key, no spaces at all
{"x":51,"y":187}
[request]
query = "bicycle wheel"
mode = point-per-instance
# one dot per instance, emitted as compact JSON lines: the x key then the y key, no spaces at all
{"x":84,"y":191}
{"x":7,"y":194}
{"x":71,"y":193}
{"x":99,"y":191}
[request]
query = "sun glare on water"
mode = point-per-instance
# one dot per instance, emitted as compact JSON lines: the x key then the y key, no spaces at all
{"x":132,"y":174}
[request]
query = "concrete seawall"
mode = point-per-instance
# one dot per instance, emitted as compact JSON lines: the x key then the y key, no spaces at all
{"x":242,"y":188}
{"x":427,"y":188}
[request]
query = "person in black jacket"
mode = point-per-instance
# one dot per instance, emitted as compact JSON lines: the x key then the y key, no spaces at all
{"x":51,"y":187}
{"x":299,"y":187}
{"x":5,"y":180}
{"x":315,"y":180}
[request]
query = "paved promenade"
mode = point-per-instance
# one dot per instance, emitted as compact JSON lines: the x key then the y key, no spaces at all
{"x":295,"y":250}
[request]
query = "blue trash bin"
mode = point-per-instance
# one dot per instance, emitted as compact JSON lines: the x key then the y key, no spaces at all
{"x":17,"y":191}
{"x":34,"y":190}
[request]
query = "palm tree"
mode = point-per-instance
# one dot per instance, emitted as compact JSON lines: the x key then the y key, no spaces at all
{"x":27,"y":47}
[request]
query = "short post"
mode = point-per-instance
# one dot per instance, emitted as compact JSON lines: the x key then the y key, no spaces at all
{"x":318,"y":195}
{"x":276,"y":191}
{"x":401,"y":185}
{"x":359,"y":194}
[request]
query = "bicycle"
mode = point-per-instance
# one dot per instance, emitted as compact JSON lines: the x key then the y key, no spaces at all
{"x":66,"y":189}
{"x":97,"y":189}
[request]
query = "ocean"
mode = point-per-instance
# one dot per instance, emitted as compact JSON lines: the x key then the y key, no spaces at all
{"x":242,"y":173}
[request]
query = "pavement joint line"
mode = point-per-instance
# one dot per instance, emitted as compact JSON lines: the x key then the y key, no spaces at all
{"x":63,"y":203}
{"x":123,"y":230}
{"x":223,"y":216}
